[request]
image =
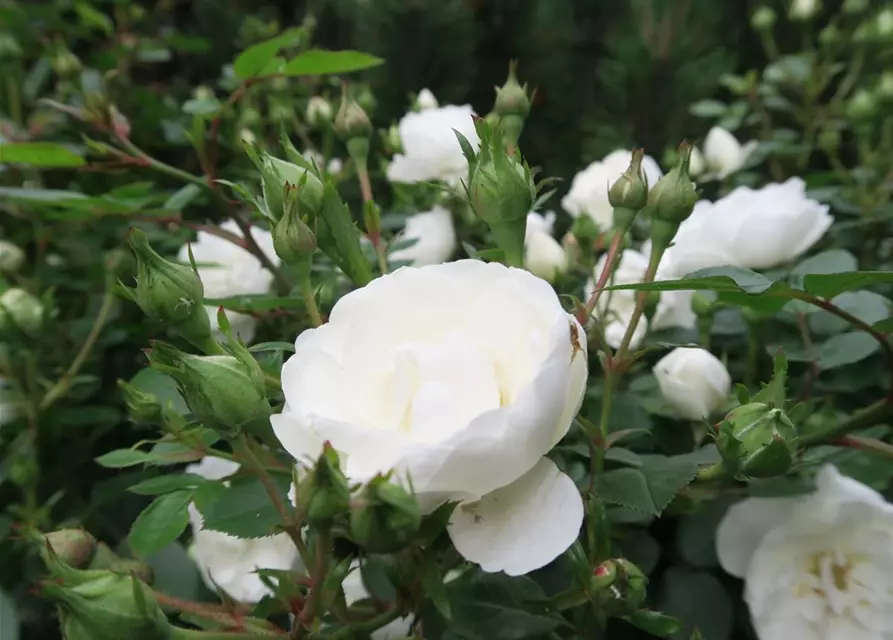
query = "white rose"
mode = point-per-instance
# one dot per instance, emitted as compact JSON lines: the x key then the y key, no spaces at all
{"x":435,"y":238}
{"x":816,"y":567}
{"x":756,"y":229}
{"x":431,"y":150}
{"x":228,"y":270}
{"x":693,"y":381}
{"x":319,"y":110}
{"x":589,"y":189}
{"x":616,"y":307}
{"x":696,"y":164}
{"x":333,"y":167}
{"x":11,"y":257}
{"x":471,"y":373}
{"x":426,"y":100}
{"x":723,"y":154}
{"x":543,"y":255}
{"x":803,"y":9}
{"x":355,"y":590}
{"x":230,"y":563}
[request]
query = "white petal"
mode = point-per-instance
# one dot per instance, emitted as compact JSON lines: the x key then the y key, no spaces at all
{"x":743,"y":528}
{"x":520,"y":527}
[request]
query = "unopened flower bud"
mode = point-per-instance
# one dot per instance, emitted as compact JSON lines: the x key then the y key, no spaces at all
{"x":512,"y":98}
{"x":11,"y":257}
{"x":225,"y":393}
{"x":392,"y":139}
{"x":756,"y":440}
{"x":319,"y":111}
{"x":854,"y":7}
{"x":202,"y":93}
{"x":277,"y":175}
{"x":351,"y":120}
{"x":618,"y":586}
{"x":324,"y":494}
{"x":65,"y":63}
{"x":673,"y":197}
{"x":387,"y":517}
{"x":249,"y":118}
{"x":74,"y":547}
{"x":105,"y":558}
{"x":19,"y":310}
{"x":803,"y":9}
{"x":862,"y":105}
{"x":629,"y":194}
{"x":425,"y":100}
{"x":141,"y":406}
{"x":763,"y":19}
{"x":169,"y":293}
{"x":108,"y":606}
{"x":293,"y":240}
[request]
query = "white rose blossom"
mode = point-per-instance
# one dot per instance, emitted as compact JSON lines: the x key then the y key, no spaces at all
{"x":435,"y":237}
{"x":431,"y":150}
{"x":589,"y":189}
{"x":723,"y":154}
{"x":230,"y":563}
{"x":543,"y":254}
{"x":755,"y":229}
{"x":426,"y":100}
{"x":816,"y":567}
{"x":803,"y":9}
{"x":615,"y":308}
{"x":229,"y":270}
{"x":693,"y":381}
{"x":459,"y":377}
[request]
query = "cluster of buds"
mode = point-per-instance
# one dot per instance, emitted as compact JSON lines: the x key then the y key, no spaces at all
{"x":618,"y":587}
{"x":323,"y":495}
{"x":385,"y":517}
{"x":757,"y":440}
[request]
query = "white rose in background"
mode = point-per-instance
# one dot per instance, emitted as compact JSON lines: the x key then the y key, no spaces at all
{"x":228,"y":270}
{"x":426,"y":100}
{"x":723,"y":154}
{"x":589,"y":189}
{"x":355,"y":590}
{"x":756,"y":229}
{"x":333,"y":167}
{"x":816,"y":567}
{"x":319,"y":110}
{"x":543,"y":254}
{"x":471,"y":373}
{"x":693,"y":381}
{"x":803,"y":9}
{"x":431,"y":150}
{"x":696,"y":162}
{"x":615,"y":308}
{"x":435,"y":237}
{"x":230,"y":563}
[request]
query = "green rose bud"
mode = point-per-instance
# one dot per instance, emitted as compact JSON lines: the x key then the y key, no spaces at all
{"x":169,"y":293}
{"x":11,"y":257}
{"x":386,"y":518}
{"x":829,"y":138}
{"x":74,"y":547}
{"x":618,"y":586}
{"x":757,"y":440}
{"x":102,"y":605}
{"x":512,"y":98}
{"x":279,"y":176}
{"x":105,"y":558}
{"x":141,"y":406}
{"x":763,"y":19}
{"x":65,"y":63}
{"x":500,"y":191}
{"x":351,"y":120}
{"x":629,"y":194}
{"x":293,"y":240}
{"x":673,"y":197}
{"x":19,"y":310}
{"x":324,"y":495}
{"x":226,"y":393}
{"x":862,"y":105}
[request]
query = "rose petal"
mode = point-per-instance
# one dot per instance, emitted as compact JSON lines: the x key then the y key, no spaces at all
{"x":520,"y":527}
{"x":743,"y":528}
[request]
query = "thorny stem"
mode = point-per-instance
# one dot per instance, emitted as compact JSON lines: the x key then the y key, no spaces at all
{"x":218,"y":613}
{"x":610,"y":262}
{"x":304,"y":621}
{"x":862,"y":419}
{"x":657,"y":253}
{"x":374,"y":238}
{"x":310,"y":302}
{"x":869,"y":445}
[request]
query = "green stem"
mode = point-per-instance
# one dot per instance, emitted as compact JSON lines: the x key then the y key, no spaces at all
{"x":869,"y":445}
{"x":304,"y":622}
{"x":657,"y":252}
{"x":610,"y":263}
{"x":753,"y":353}
{"x":62,"y":385}
{"x":195,"y":634}
{"x":310,"y":301}
{"x":871,"y":415}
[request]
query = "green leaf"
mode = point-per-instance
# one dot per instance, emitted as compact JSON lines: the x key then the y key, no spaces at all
{"x":243,"y":509}
{"x":707,"y":109}
{"x":9,"y":618}
{"x":651,"y":487}
{"x":254,"y":59}
{"x":831,"y":261}
{"x":846,"y":348}
{"x":698,"y":600}
{"x":256,"y":303}
{"x":656,"y":623}
{"x":162,"y":454}
{"x":317,"y":62}
{"x":39,"y":154}
{"x":696,"y":534}
{"x":884,"y":326}
{"x":160,"y":523}
{"x":163,"y":387}
{"x":121,"y":458}
{"x":868,"y":306}
{"x":182,"y":198}
{"x":175,"y":573}
{"x":167,"y":484}
{"x":775,"y":391}
{"x":434,"y":587}
{"x":90,"y":17}
{"x":833,"y":284}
